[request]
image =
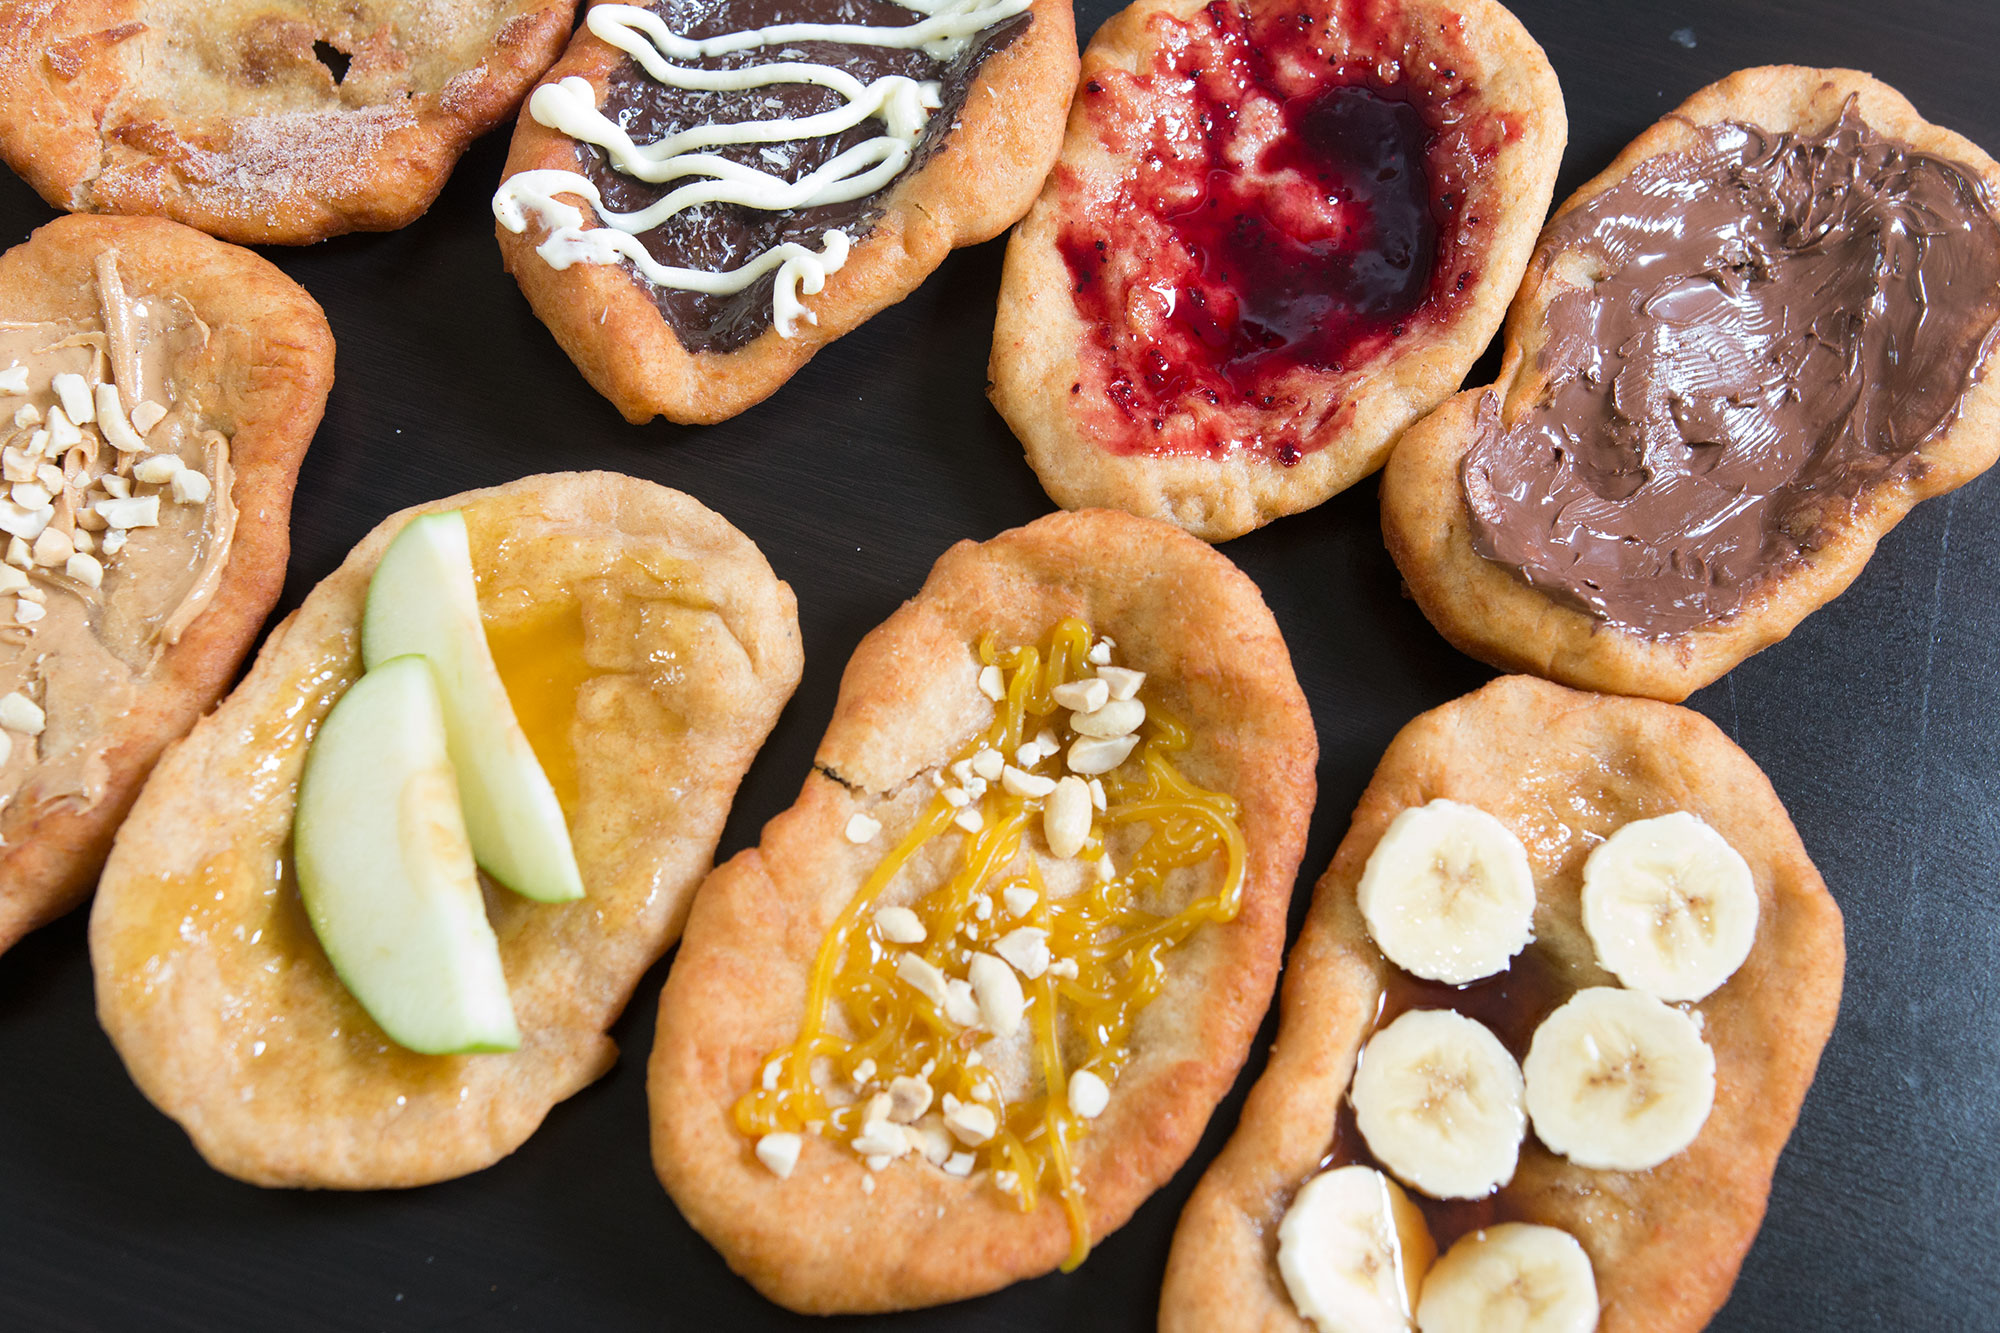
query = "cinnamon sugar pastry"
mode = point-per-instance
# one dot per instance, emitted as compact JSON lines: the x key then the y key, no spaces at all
{"x":1741,"y":354}
{"x":704,"y":195}
{"x":971,"y":999}
{"x":157,"y":391}
{"x":1563,"y":773}
{"x":266,"y":121}
{"x":1279,"y":232}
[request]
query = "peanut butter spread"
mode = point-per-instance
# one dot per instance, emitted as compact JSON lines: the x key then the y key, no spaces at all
{"x":116,"y":520}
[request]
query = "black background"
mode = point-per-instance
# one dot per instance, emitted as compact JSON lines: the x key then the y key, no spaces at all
{"x":1878,"y":721}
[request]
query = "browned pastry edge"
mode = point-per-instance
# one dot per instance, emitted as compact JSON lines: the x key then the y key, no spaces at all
{"x":1561,"y":768}
{"x":274,"y":352}
{"x":1038,"y":333}
{"x":64,"y":89}
{"x":981,"y":178}
{"x":907,"y":704}
{"x":1488,"y":611}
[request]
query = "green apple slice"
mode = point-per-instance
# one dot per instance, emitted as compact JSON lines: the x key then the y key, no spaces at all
{"x":386,"y":872}
{"x":423,"y":600}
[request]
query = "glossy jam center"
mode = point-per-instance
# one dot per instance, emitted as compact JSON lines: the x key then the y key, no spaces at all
{"x":1330,"y":249}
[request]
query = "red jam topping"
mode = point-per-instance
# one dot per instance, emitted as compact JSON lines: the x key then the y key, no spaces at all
{"x":1299,"y":206}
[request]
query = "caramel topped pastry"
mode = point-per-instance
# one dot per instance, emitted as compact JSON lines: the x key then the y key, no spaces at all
{"x":157,"y":390}
{"x":1549,"y":1024}
{"x":1278,"y":233}
{"x":1014,"y":938}
{"x":644,"y":648}
{"x":1741,"y":354}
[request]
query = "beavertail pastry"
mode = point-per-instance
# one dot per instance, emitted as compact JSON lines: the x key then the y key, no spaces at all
{"x":157,"y":391}
{"x":1740,"y":356}
{"x":1277,"y":235}
{"x":645,"y":648}
{"x":262,"y":121}
{"x":1549,"y":1024}
{"x":972,"y":999}
{"x":705,"y":194}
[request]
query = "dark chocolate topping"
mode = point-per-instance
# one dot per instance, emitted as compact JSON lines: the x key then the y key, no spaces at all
{"x":1781,"y":322}
{"x":724,"y":236}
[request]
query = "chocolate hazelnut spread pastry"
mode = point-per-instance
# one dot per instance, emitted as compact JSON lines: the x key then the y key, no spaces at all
{"x":157,"y":390}
{"x":1740,"y":356}
{"x":267,"y":121}
{"x":704,"y":194}
{"x":1279,"y":232}
{"x":1550,"y":1021}
{"x":644,"y":648}
{"x":972,"y":998}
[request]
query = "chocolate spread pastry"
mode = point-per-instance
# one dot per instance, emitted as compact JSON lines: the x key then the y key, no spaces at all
{"x":1778,"y":324}
{"x":719,"y":236}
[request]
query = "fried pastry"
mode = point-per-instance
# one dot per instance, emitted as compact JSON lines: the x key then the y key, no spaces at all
{"x":974,"y":996}
{"x":704,"y":195}
{"x":157,"y":391}
{"x":262,"y":121}
{"x":646,"y":647}
{"x":1649,"y":1238}
{"x":1277,"y":235}
{"x":1740,"y":356}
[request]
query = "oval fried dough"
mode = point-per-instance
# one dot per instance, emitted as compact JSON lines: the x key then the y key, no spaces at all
{"x":1488,"y":611}
{"x":209,"y":979}
{"x":262,"y":380}
{"x":1562,"y":770}
{"x":908,"y":703}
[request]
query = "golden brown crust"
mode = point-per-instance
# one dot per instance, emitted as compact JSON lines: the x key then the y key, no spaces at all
{"x":907,"y":704}
{"x":209,"y":979}
{"x":1487,"y":611}
{"x":981,"y":178}
{"x":1562,"y":769}
{"x":266,"y":371}
{"x":1039,"y":335}
{"x":219,"y":114}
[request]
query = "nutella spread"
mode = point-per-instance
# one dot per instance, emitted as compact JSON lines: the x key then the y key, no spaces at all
{"x":744,"y":146}
{"x":116,"y":523}
{"x":1765,"y":327}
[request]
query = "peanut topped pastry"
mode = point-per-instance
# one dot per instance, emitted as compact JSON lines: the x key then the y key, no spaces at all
{"x":1279,"y":232}
{"x":157,"y":391}
{"x":1547,"y":1028}
{"x":371,"y":920}
{"x":1741,"y":355}
{"x":705,"y":194}
{"x":267,"y":121}
{"x":972,"y":998}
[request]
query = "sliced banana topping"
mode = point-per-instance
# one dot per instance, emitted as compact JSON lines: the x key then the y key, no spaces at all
{"x":1513,"y":1278}
{"x":1439,"y":1100}
{"x":1670,"y":906}
{"x":1353,"y":1251}
{"x":1448,"y":894}
{"x":1618,"y":1080}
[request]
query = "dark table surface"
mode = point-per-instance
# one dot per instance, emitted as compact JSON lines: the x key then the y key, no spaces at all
{"x":1878,"y":721}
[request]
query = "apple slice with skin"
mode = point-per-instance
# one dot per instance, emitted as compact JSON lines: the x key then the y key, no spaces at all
{"x":386,"y":872}
{"x":422,"y":599}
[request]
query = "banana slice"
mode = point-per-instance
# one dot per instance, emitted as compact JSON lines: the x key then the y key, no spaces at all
{"x":1513,"y":1278}
{"x":1618,"y":1081}
{"x":1439,"y":1100}
{"x":1448,"y":894}
{"x":1670,"y":906}
{"x":1353,"y":1251}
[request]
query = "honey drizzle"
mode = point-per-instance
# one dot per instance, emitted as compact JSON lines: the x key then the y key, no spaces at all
{"x":1119,"y":948}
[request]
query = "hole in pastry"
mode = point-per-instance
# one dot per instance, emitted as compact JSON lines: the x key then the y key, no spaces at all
{"x":335,"y":59}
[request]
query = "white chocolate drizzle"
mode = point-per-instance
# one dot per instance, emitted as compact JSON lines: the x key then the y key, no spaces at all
{"x":903,"y":105}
